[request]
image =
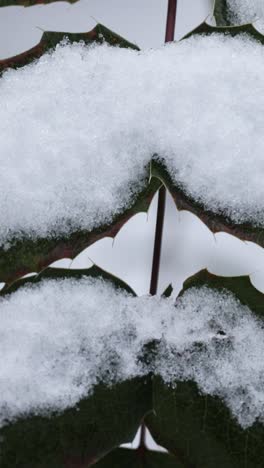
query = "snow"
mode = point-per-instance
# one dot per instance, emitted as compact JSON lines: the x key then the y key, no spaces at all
{"x":79,"y":126}
{"x":71,"y":334}
{"x":245,"y":11}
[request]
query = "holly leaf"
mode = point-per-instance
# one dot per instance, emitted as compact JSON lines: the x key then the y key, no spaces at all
{"x":24,"y":255}
{"x":200,"y":431}
{"x":50,"y":39}
{"x":28,"y":255}
{"x":214,"y":221}
{"x":241,"y":287}
{"x":65,"y":273}
{"x":27,"y":3}
{"x":233,"y":31}
{"x":199,"y":428}
{"x":78,"y":436}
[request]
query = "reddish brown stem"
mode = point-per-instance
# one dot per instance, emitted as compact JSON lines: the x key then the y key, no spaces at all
{"x":171,"y":20}
{"x":158,"y":241}
{"x":169,"y":36}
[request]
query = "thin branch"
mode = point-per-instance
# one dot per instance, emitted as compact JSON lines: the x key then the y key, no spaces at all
{"x":171,"y":20}
{"x":169,"y":36}
{"x":158,"y":241}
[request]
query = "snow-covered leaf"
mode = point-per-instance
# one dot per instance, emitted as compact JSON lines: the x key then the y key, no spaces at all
{"x":50,"y":39}
{"x":31,"y":250}
{"x":33,"y":254}
{"x":77,"y":331}
{"x":198,"y":124}
{"x":246,"y":30}
{"x":64,"y":273}
{"x":240,"y":286}
{"x":200,"y":431}
{"x":190,"y":419}
{"x":215,"y":222}
{"x":100,"y":421}
{"x":79,"y":436}
{"x":233,"y":12}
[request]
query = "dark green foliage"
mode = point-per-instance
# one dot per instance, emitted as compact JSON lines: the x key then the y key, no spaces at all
{"x":102,"y":421}
{"x":200,"y":430}
{"x":78,"y":436}
{"x":138,"y":459}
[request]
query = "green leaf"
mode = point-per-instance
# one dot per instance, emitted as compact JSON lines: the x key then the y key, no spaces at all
{"x":221,"y":13}
{"x":49,"y":40}
{"x":215,"y":222}
{"x":26,"y":3}
{"x":233,"y":31}
{"x":200,"y":431}
{"x":23,"y":254}
{"x":137,"y":459}
{"x":79,"y":436}
{"x":168,"y":291}
{"x":64,"y":273}
{"x":198,"y":428}
{"x":240,"y":286}
{"x":28,"y":255}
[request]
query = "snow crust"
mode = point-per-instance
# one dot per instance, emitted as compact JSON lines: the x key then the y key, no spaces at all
{"x":59,"y":338}
{"x":245,"y":11}
{"x":79,"y":126}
